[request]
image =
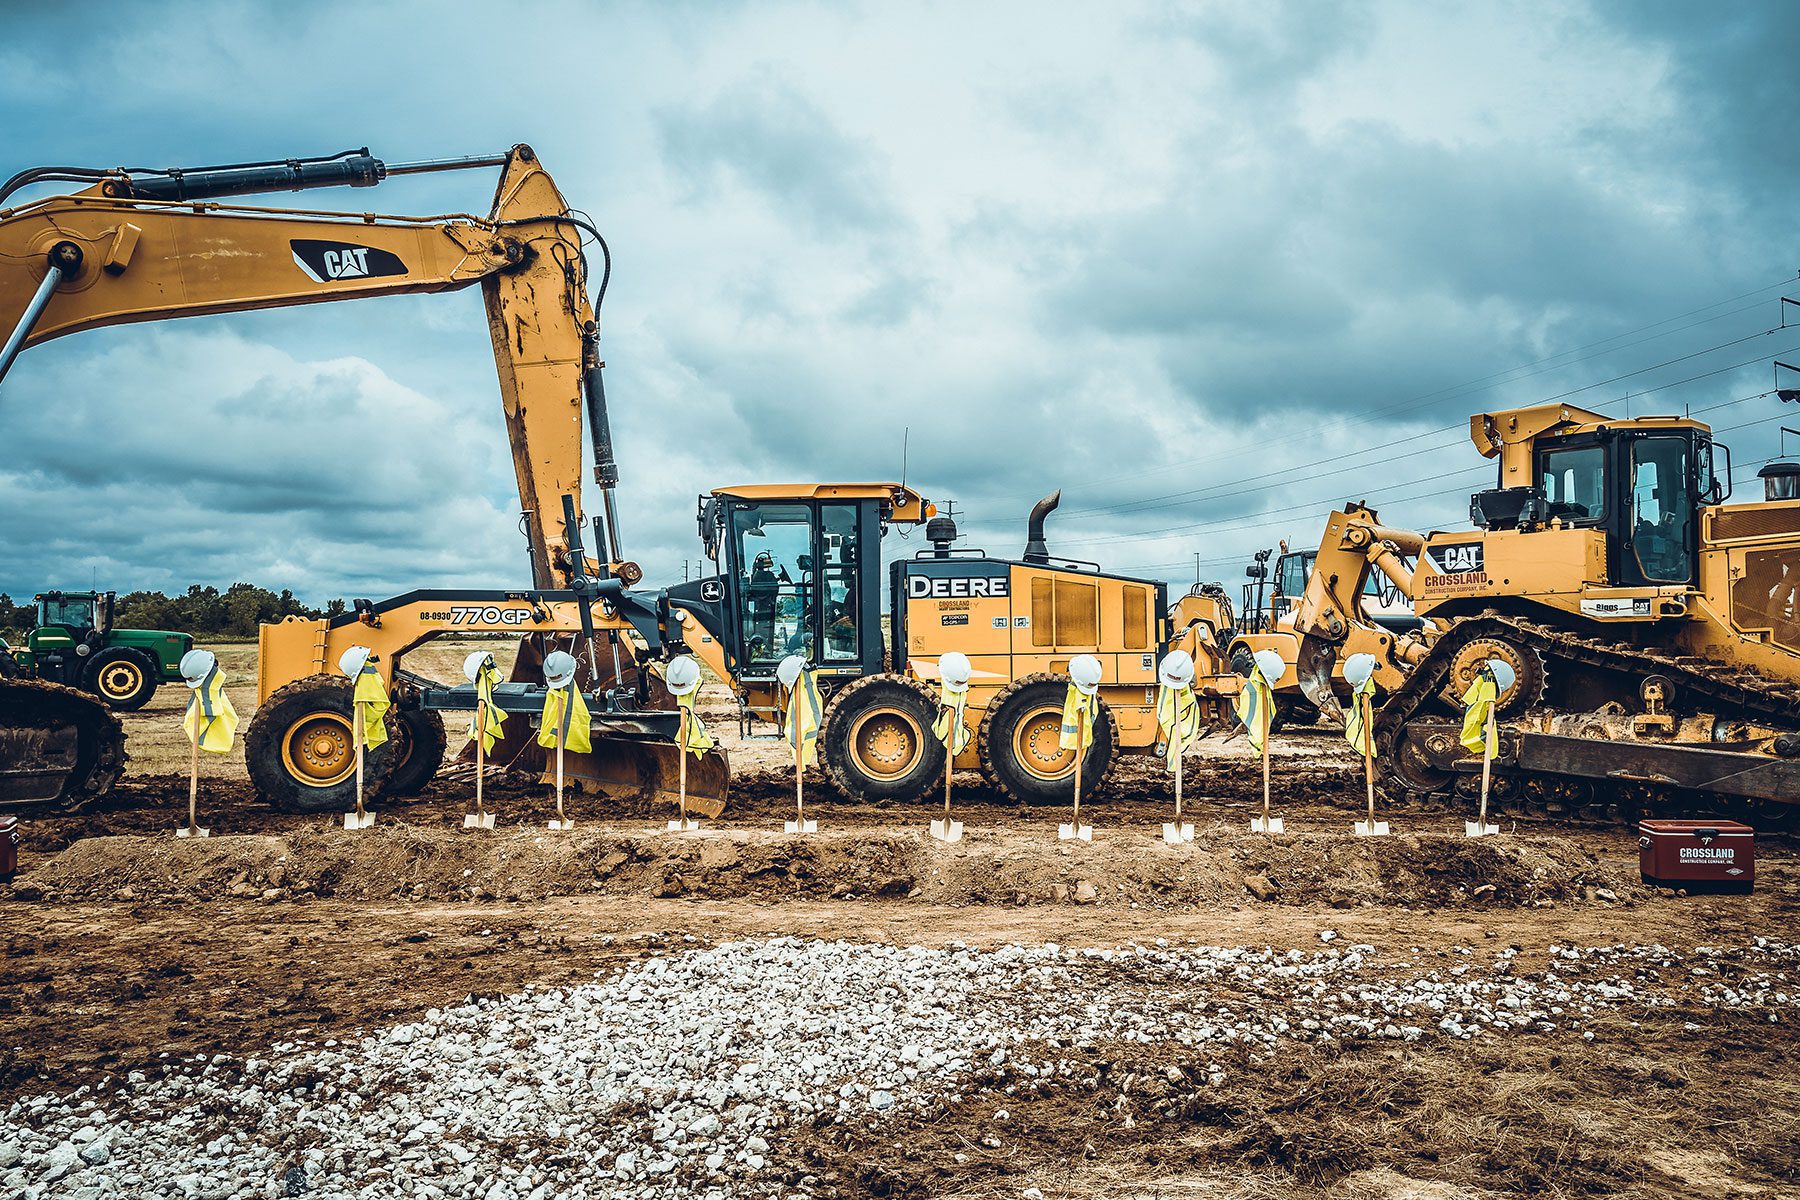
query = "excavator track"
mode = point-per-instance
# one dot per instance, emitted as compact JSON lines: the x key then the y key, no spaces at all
{"x":61,"y":750}
{"x":1409,"y":735}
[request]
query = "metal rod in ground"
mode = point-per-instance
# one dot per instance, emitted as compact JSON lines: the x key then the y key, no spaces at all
{"x":193,"y":829}
{"x":681,"y":744}
{"x":799,"y":777}
{"x":560,"y":819}
{"x":1266,"y":722}
{"x":1487,"y":763}
{"x":480,"y":751}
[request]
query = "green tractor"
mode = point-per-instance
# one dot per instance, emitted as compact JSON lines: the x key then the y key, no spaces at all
{"x":76,"y":645}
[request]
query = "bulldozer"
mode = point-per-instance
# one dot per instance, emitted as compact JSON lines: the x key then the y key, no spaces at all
{"x":1653,"y":630}
{"x":137,"y":245}
{"x":146,"y":245}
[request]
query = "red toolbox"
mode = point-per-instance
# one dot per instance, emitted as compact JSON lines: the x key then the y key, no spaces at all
{"x":1701,"y":856}
{"x":9,"y":847}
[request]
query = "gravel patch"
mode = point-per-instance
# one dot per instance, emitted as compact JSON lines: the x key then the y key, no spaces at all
{"x":679,"y":1076}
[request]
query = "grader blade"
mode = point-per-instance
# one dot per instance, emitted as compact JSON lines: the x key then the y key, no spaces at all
{"x":638,"y":769}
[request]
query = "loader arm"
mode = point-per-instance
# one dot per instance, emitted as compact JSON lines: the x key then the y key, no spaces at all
{"x":1329,"y":618}
{"x":122,"y":254}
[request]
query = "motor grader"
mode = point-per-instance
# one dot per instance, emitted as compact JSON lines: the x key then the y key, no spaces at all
{"x":799,"y":571}
{"x":137,"y":245}
{"x":1653,"y":629}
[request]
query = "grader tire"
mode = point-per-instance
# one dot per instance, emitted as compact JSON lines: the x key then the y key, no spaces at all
{"x":422,"y":744}
{"x":300,"y":753}
{"x":1019,"y":747}
{"x":877,"y":743}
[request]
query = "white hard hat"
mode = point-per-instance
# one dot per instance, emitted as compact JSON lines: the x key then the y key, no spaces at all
{"x":477,"y":659}
{"x":1358,"y":668}
{"x":196,"y":665}
{"x":682,"y":675}
{"x":352,"y":661}
{"x":1504,"y":675}
{"x":954,"y":670}
{"x":788,"y":670}
{"x":1176,"y":669}
{"x":1084,"y":672}
{"x":559,"y":668}
{"x":1271,"y":665}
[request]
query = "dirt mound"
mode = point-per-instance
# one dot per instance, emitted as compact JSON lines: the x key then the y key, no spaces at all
{"x":1014,"y":866}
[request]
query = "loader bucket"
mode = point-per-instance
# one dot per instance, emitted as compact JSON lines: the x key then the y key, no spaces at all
{"x":630,"y":761}
{"x":1313,"y":670}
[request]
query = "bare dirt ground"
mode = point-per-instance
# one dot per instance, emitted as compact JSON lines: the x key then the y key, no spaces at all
{"x":125,"y":949}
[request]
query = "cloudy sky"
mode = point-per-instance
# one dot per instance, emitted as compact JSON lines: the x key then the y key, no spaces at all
{"x":1210,"y":268}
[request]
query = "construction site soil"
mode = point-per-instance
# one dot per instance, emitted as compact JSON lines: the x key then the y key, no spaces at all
{"x":127,"y":950}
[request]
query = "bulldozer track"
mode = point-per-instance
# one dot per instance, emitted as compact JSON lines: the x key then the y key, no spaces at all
{"x":25,"y":702}
{"x":1731,"y":691}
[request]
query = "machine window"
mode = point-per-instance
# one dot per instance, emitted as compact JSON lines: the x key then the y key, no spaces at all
{"x":76,"y":614}
{"x":774,"y":545}
{"x":837,"y":537}
{"x":1662,"y":507}
{"x":1574,"y":483}
{"x":1137,"y":618}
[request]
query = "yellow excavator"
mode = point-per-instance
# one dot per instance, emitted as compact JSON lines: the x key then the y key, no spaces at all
{"x":800,"y":567}
{"x":1653,"y":629}
{"x":145,"y":245}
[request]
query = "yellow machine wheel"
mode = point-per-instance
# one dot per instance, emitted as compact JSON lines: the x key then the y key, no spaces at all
{"x":1021,"y":750}
{"x":1528,"y":668}
{"x":301,"y":754}
{"x":877,"y":743}
{"x":123,"y":678}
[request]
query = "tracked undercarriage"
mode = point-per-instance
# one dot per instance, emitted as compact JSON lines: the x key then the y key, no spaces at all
{"x":61,"y":749}
{"x":1598,"y":730}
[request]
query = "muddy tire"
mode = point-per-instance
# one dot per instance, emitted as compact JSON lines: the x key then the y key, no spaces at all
{"x":300,"y":753}
{"x":422,"y":743}
{"x":123,"y":678}
{"x":876,"y":743}
{"x":1020,"y":754}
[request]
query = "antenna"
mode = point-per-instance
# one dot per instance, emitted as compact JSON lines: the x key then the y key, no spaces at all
{"x":905,"y":437}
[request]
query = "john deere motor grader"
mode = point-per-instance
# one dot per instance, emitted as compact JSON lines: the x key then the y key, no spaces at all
{"x":1654,"y":630}
{"x":799,"y":571}
{"x":144,"y":245}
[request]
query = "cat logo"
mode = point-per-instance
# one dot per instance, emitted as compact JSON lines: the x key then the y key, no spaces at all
{"x":327,"y":262}
{"x":1456,"y":560}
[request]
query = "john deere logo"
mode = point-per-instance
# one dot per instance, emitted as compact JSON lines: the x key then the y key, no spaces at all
{"x":328,"y":262}
{"x":1456,"y":560}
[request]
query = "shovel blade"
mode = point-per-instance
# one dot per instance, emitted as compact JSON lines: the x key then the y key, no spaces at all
{"x":1272,"y":825}
{"x":185,"y":832}
{"x":355,"y":821}
{"x":1074,"y":833}
{"x":800,"y":827}
{"x":1477,"y":829}
{"x":478,"y":820}
{"x":1175,"y":834}
{"x":947,"y":831}
{"x":560,"y":826}
{"x":682,"y":827}
{"x":1371,"y":829}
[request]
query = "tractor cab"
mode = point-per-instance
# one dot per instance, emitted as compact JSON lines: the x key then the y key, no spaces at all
{"x":798,"y":572}
{"x":73,"y":615}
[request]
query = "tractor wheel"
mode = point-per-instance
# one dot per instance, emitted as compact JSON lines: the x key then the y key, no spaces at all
{"x":123,"y":678}
{"x":1020,"y":744}
{"x":9,"y":666}
{"x":422,"y":743}
{"x":877,"y":743}
{"x":300,"y":750}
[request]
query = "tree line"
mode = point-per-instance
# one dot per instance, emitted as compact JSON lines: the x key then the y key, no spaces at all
{"x":202,"y":611}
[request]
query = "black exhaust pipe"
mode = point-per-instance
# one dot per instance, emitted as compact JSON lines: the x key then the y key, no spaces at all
{"x":1035,"y":549}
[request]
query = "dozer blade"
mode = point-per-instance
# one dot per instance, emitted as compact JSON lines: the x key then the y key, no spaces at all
{"x":1316,"y":658}
{"x":60,"y":750}
{"x":639,"y":769}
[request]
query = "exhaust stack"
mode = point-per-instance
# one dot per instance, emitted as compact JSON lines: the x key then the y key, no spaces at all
{"x":1035,"y":549}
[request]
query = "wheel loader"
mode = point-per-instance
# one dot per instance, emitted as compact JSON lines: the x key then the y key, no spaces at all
{"x":1652,"y":628}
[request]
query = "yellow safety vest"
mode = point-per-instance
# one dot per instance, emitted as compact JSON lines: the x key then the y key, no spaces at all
{"x":566,"y":719}
{"x":1178,"y":717}
{"x":694,"y":736}
{"x":488,"y":728}
{"x":1255,"y":708}
{"x":1077,"y":731}
{"x":951,"y":727}
{"x":211,"y":720}
{"x":1356,"y":730}
{"x":372,"y":703}
{"x":1478,"y":702}
{"x":804,"y":711}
